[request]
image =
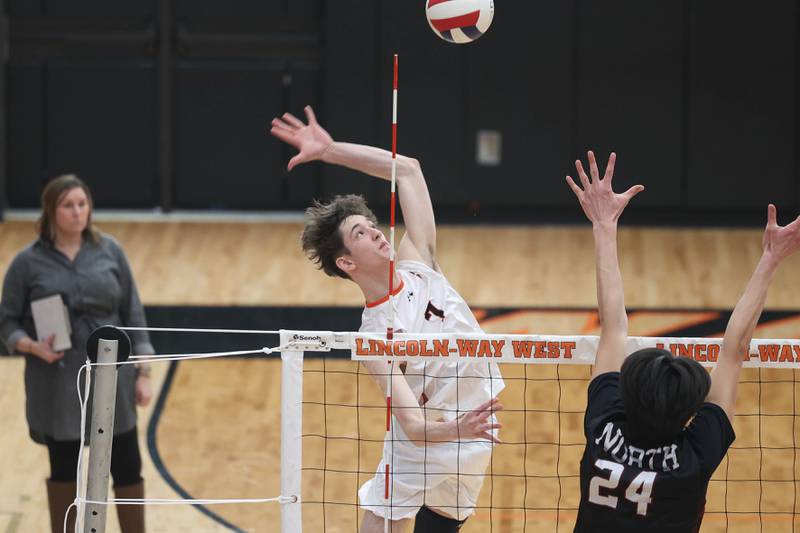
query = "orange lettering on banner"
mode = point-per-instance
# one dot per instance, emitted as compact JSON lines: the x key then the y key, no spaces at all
{"x":484,"y":349}
{"x":360,"y":350}
{"x":568,"y":347}
{"x":378,"y":347}
{"x":673,"y":348}
{"x":522,"y":349}
{"x":553,"y":350}
{"x":412,"y":348}
{"x":713,"y":352}
{"x":441,"y":348}
{"x":540,"y":346}
{"x":497,"y":346}
{"x":423,"y":349}
{"x":768,"y":352}
{"x":698,"y":352}
{"x":466,"y":348}
{"x":786,"y":354}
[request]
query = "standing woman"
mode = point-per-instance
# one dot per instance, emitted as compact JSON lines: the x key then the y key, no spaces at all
{"x":89,"y":270}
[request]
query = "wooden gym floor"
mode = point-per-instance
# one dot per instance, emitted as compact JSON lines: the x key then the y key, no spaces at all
{"x":218,"y":433}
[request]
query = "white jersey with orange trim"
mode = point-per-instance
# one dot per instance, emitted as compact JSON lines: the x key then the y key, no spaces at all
{"x":444,"y":476}
{"x":425,"y":302}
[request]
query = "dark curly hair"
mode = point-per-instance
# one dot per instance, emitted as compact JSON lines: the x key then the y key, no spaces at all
{"x":322,"y":237}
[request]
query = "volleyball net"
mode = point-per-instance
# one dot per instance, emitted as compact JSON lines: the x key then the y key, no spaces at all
{"x":532,"y":480}
{"x":333,"y":429}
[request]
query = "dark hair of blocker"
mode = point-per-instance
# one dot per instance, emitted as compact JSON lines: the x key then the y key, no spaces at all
{"x":660,"y":393}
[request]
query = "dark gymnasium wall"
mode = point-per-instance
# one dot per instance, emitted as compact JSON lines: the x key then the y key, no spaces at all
{"x":167,"y":103}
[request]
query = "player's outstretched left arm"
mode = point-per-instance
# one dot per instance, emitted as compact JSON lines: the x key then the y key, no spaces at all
{"x":778,"y":243}
{"x":603,"y":208}
{"x":314,"y":143}
{"x":474,"y":424}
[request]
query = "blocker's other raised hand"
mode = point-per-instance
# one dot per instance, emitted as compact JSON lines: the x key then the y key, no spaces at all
{"x":780,"y":241}
{"x":598,"y":200}
{"x":310,"y":139}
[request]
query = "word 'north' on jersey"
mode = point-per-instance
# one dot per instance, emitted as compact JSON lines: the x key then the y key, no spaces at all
{"x":630,"y":487}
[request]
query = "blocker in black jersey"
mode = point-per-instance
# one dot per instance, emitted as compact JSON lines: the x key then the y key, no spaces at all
{"x":631,"y":485}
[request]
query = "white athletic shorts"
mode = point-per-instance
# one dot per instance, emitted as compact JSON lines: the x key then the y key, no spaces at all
{"x":439,"y":484}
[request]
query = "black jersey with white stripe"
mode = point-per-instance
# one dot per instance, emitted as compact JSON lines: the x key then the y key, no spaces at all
{"x":625,"y":487}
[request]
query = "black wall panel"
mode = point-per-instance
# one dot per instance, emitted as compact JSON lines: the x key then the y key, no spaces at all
{"x":225,"y":158}
{"x":297,"y":10}
{"x":305,"y":181}
{"x":742,"y":94}
{"x":99,"y":123}
{"x":26,"y":134}
{"x":350,"y":87}
{"x":431,"y":102}
{"x":699,"y":99}
{"x":519,"y":82}
{"x":629,"y":94}
{"x":81,"y":9}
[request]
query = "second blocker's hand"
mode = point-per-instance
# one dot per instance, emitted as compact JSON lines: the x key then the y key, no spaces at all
{"x":311,"y":139}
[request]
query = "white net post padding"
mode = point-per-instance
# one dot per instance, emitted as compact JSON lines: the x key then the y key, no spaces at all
{"x":291,"y":433}
{"x":100,"y":440}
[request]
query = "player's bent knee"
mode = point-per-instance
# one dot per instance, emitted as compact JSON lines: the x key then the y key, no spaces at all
{"x":430,"y":522}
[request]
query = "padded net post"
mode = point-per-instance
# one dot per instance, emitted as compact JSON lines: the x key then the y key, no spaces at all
{"x":102,"y":433}
{"x":291,"y":435}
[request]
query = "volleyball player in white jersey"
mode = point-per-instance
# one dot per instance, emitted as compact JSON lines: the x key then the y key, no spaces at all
{"x":439,"y":454}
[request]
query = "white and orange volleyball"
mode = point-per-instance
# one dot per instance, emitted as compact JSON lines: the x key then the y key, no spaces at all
{"x":459,"y":21}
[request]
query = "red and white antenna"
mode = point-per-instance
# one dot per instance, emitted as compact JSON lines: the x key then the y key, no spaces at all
{"x":390,"y":325}
{"x":392,"y":202}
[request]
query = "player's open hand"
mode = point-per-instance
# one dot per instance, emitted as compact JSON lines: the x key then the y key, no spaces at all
{"x":478,"y":424}
{"x":780,"y":241}
{"x":310,"y":139}
{"x":600,"y":203}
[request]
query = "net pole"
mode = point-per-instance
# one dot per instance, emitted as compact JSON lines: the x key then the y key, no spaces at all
{"x":390,"y":325}
{"x":102,"y":434}
{"x":291,"y":436}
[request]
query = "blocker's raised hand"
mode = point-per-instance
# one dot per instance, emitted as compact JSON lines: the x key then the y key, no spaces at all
{"x":599,"y":202}
{"x":310,"y":139}
{"x":780,"y":241}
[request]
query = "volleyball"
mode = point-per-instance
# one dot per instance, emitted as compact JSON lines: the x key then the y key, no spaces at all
{"x":459,"y":21}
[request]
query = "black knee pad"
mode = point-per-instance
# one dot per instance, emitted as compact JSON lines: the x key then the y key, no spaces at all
{"x":429,"y":522}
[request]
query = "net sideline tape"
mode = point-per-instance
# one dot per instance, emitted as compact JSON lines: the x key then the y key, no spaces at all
{"x":531,"y":349}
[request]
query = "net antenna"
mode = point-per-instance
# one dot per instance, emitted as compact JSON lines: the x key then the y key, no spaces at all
{"x":390,"y":325}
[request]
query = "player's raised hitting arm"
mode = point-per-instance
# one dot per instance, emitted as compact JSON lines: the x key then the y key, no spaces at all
{"x":314,"y":143}
{"x":779,"y":242}
{"x":603,"y":207}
